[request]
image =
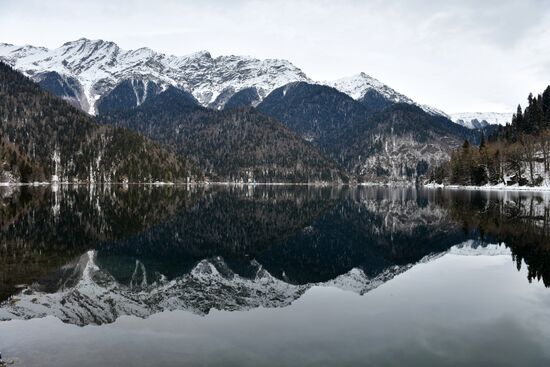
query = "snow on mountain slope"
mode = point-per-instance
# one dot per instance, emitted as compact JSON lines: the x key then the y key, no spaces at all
{"x":88,"y":294}
{"x":358,"y":85}
{"x":478,"y":120}
{"x":100,"y":65}
{"x":94,"y":296}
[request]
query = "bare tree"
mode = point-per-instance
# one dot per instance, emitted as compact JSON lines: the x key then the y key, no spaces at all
{"x":544,"y":142}
{"x":514,"y":159}
{"x":528,"y":145}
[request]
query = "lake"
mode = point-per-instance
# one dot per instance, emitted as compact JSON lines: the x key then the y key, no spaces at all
{"x":273,"y":276}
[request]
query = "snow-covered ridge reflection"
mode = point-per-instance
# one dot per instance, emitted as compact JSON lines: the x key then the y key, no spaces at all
{"x":88,"y":294}
{"x":138,"y":252}
{"x":97,"y":297}
{"x":475,"y":248}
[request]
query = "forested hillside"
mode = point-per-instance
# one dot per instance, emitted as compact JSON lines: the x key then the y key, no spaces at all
{"x":401,"y":142}
{"x":374,"y":142}
{"x":236,"y":145}
{"x":43,"y":138}
{"x":316,"y":112}
{"x":517,"y":154}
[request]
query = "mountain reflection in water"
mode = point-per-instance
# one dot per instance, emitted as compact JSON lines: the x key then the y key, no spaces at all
{"x":91,"y":255}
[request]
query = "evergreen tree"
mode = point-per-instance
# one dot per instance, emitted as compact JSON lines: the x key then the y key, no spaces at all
{"x":519,"y":123}
{"x":482,"y":141}
{"x":517,"y":153}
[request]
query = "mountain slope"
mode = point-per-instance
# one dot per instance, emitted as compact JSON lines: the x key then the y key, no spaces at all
{"x":398,"y":143}
{"x":316,"y":112}
{"x":233,"y":145}
{"x":374,"y":94}
{"x":86,"y":71}
{"x":44,"y":138}
{"x":100,"y":66}
{"x":243,"y":98}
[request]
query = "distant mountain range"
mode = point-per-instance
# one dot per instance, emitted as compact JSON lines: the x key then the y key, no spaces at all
{"x":480,"y":120}
{"x":85,"y":71}
{"x":96,"y":296}
{"x":212,"y":111}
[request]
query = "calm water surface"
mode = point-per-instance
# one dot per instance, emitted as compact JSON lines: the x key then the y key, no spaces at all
{"x":273,"y":276}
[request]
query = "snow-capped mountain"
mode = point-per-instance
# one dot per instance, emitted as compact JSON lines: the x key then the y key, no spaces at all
{"x":479,"y":120}
{"x":359,"y":87}
{"x":96,"y":67}
{"x":88,"y":294}
{"x":85,"y":71}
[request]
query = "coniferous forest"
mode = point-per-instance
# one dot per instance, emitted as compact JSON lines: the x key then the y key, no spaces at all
{"x":233,"y":145}
{"x":518,"y":153}
{"x":43,"y":138}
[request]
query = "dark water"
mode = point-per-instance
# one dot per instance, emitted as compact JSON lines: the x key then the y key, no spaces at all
{"x":273,"y":276}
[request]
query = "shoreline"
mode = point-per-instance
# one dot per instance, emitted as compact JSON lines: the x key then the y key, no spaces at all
{"x":488,"y":187}
{"x":206,"y":183}
{"x":430,"y":186}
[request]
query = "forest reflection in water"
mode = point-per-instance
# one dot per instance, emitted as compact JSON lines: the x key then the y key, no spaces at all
{"x":88,"y":255}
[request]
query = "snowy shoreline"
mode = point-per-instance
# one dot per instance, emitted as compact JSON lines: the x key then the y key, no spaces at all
{"x":500,"y":187}
{"x":159,"y":183}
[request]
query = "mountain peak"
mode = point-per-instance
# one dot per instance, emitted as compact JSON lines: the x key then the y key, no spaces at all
{"x":202,"y":54}
{"x":361,"y":85}
{"x":477,"y":120}
{"x":99,"y":66}
{"x":83,"y":40}
{"x":356,"y":86}
{"x":364,"y":76}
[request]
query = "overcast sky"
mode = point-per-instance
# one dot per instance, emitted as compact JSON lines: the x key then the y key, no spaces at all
{"x":466,"y":55}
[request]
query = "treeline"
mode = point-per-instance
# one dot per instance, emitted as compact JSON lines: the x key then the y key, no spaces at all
{"x":518,"y":153}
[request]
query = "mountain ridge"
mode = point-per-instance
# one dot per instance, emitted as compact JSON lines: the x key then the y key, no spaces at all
{"x":96,"y":297}
{"x":99,"y":66}
{"x":480,"y":120}
{"x":359,"y":85}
